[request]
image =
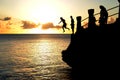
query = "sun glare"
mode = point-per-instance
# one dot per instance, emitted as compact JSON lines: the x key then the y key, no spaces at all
{"x":38,"y":30}
{"x":44,"y":14}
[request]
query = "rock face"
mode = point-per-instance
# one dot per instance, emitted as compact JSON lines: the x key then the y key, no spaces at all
{"x":97,"y":43}
{"x":94,"y":51}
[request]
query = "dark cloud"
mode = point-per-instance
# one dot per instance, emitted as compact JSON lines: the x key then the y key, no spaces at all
{"x":7,"y":18}
{"x":28,"y":25}
{"x":49,"y":25}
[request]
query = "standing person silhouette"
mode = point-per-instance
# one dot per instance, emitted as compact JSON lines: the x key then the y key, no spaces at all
{"x":64,"y":24}
{"x":103,"y":15}
{"x":72,"y":24}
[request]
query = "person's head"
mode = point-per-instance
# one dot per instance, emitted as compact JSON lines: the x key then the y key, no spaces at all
{"x":61,"y":18}
{"x":102,"y":7}
{"x":70,"y":16}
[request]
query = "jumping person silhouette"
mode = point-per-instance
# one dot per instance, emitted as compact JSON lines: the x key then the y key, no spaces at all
{"x":72,"y":24}
{"x":64,"y":24}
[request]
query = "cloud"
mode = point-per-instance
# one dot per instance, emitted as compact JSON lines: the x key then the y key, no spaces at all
{"x":50,"y":25}
{"x":4,"y":27}
{"x":28,"y":25}
{"x":8,"y":25}
{"x":7,"y":18}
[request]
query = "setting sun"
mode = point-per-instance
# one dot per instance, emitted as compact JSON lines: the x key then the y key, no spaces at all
{"x":56,"y":39}
{"x":38,"y":30}
{"x":28,"y":16}
{"x":43,"y":14}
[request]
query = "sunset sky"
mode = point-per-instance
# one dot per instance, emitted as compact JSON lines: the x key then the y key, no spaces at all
{"x":43,"y":16}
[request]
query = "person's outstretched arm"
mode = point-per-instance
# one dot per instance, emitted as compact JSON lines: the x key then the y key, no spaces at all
{"x":59,"y":22}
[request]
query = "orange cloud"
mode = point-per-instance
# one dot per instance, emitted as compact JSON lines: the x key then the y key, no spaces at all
{"x":4,"y":27}
{"x":7,"y":25}
{"x":50,"y":25}
{"x":29,"y":25}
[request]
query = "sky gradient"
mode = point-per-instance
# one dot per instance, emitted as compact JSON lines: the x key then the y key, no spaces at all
{"x":28,"y":16}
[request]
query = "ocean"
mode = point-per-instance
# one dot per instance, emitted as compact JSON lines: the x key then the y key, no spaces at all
{"x":33,"y":57}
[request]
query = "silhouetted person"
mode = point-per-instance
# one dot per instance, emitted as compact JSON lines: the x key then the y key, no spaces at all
{"x":103,"y":15}
{"x":72,"y":24}
{"x":92,"y":20}
{"x":64,"y":24}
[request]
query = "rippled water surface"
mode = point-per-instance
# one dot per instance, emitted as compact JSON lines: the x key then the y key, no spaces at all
{"x":33,"y":57}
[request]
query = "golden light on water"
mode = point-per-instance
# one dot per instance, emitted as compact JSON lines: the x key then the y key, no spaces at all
{"x":44,"y":52}
{"x":37,"y":55}
{"x":33,"y":57}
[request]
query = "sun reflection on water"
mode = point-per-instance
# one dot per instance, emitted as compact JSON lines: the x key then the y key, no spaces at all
{"x":39,"y":58}
{"x":44,"y":51}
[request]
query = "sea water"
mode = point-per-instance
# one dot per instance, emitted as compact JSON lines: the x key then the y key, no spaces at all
{"x":33,"y":57}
